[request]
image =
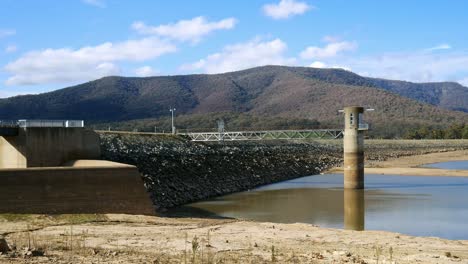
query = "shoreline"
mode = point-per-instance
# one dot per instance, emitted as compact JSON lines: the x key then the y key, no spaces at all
{"x":113,"y":238}
{"x":150,"y":239}
{"x":411,"y":165}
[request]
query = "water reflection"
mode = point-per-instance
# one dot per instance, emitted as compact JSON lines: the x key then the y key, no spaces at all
{"x":307,"y":205}
{"x":332,"y":207}
{"x":354,"y":209}
{"x":427,"y":206}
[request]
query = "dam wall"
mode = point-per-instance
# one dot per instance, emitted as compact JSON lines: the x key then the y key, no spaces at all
{"x":103,"y":188}
{"x":177,"y":171}
{"x":47,"y":147}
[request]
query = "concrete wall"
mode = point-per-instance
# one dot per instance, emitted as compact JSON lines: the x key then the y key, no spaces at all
{"x":116,"y":189}
{"x":12,"y":152}
{"x":47,"y":147}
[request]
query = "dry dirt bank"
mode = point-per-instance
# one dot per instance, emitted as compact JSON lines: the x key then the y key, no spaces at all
{"x":142,"y":239}
{"x":418,"y":160}
{"x":411,"y":165}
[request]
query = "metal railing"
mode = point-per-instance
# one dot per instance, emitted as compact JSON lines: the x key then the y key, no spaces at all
{"x":8,"y":123}
{"x":50,"y":123}
{"x":266,"y":135}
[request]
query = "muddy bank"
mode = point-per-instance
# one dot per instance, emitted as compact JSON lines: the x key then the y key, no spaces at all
{"x":177,"y":171}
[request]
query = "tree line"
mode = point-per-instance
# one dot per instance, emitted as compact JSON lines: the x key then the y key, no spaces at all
{"x":455,"y":131}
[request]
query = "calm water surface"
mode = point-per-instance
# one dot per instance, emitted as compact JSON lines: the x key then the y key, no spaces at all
{"x":414,"y":205}
{"x":450,"y":165}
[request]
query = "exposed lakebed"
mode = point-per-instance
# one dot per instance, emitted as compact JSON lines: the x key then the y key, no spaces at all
{"x":449,"y":165}
{"x":413,"y":205}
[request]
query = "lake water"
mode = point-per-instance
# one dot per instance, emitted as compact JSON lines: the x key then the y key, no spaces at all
{"x":413,"y":205}
{"x":450,"y":165}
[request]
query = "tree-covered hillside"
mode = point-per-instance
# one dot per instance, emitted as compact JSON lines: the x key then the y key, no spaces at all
{"x":263,"y":97}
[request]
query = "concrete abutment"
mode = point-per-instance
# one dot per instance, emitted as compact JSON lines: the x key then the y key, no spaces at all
{"x":48,"y":147}
{"x":55,"y":170}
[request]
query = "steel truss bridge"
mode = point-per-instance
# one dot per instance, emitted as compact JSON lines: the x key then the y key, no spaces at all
{"x":266,"y":135}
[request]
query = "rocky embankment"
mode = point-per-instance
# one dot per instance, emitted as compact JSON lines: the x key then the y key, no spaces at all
{"x":378,"y":150}
{"x":177,"y":171}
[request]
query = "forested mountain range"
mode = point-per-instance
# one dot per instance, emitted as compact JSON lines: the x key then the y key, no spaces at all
{"x":276,"y":93}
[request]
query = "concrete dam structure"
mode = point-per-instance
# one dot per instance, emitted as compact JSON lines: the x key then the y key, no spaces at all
{"x":47,"y":146}
{"x":52,"y":168}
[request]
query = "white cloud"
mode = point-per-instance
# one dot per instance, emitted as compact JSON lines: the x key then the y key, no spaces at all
{"x":330,"y":50}
{"x":107,"y":68}
{"x":67,"y":75}
{"x":417,"y":66}
{"x":98,"y":3}
{"x":68,"y":65}
{"x":7,"y":32}
{"x":318,"y":64}
{"x":243,"y":55}
{"x":331,"y":39}
{"x":185,"y":30}
{"x":145,"y":71}
{"x":346,"y":68}
{"x":11,"y":48}
{"x":464,"y":82}
{"x":440,"y":47}
{"x":285,"y":9}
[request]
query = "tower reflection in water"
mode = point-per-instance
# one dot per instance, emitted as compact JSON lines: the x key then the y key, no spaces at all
{"x":354,"y":209}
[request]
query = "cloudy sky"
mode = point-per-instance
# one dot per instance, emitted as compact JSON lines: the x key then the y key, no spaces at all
{"x":49,"y":44}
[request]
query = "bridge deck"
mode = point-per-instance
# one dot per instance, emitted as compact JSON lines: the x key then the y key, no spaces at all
{"x":266,"y":135}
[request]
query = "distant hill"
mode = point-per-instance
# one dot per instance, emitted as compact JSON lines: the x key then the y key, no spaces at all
{"x":448,"y":95}
{"x":269,"y":91}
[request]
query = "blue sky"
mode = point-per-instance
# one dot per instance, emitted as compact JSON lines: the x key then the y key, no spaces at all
{"x":48,"y":44}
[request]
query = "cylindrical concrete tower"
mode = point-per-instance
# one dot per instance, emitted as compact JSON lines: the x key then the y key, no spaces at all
{"x":354,"y":209}
{"x":353,"y":148}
